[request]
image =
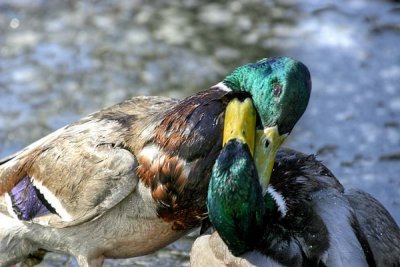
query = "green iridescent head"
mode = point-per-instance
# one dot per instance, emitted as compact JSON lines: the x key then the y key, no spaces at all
{"x":235,"y":201}
{"x":279,"y":87}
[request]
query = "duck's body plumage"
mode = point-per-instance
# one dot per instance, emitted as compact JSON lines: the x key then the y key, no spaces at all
{"x":93,"y":175}
{"x":324,"y":224}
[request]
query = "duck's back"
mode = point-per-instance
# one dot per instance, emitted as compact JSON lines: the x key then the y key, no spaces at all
{"x":381,"y":231}
{"x":85,"y":164}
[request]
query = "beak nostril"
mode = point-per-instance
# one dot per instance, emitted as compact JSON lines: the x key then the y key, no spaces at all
{"x":266,"y":143}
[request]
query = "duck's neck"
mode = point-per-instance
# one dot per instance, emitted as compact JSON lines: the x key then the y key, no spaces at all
{"x":275,"y":204}
{"x":270,"y":203}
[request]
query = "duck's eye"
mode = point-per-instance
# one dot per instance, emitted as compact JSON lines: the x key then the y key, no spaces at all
{"x":277,"y":89}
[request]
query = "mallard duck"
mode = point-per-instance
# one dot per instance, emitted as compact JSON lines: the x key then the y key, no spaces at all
{"x":132,"y":178}
{"x":302,"y":216}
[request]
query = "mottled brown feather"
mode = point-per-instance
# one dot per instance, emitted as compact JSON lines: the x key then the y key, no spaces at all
{"x":189,"y":133}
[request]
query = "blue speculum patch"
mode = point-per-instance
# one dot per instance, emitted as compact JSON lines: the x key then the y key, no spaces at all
{"x":27,"y":201}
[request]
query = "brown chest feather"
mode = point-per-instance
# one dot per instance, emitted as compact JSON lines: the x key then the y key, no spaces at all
{"x":176,"y":165}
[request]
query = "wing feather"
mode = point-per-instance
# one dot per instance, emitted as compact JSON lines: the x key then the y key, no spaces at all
{"x":84,"y":169}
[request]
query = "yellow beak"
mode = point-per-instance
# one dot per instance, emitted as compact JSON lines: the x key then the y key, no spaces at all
{"x":240,"y":123}
{"x":267,"y":144}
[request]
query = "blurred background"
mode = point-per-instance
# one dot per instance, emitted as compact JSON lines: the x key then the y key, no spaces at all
{"x":60,"y":60}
